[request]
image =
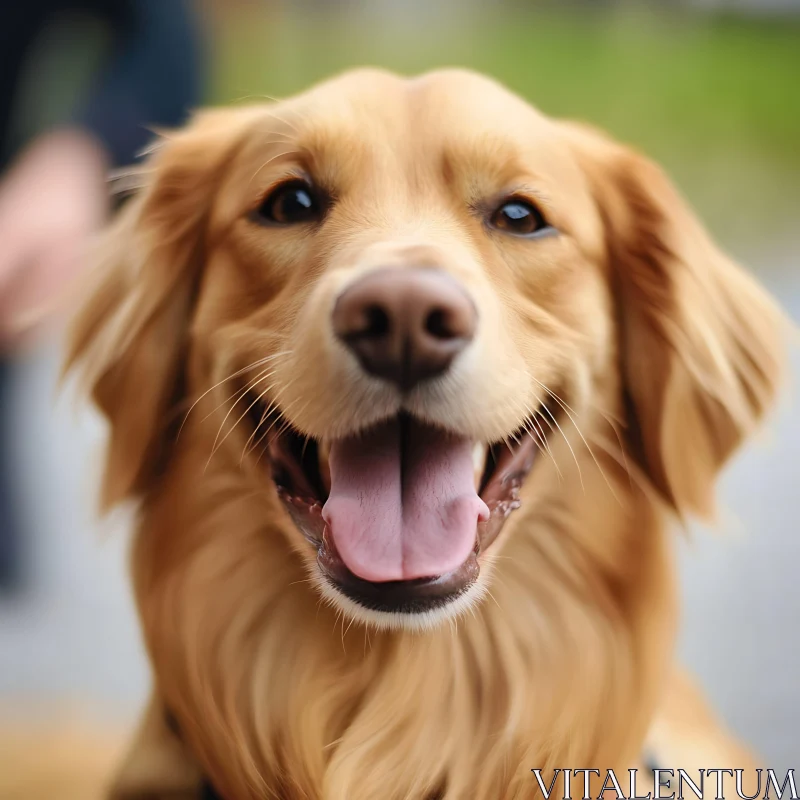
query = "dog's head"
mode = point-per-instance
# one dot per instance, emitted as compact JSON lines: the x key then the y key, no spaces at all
{"x":404,"y":303}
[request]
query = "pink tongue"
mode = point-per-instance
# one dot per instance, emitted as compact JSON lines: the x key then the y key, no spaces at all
{"x":403,"y":503}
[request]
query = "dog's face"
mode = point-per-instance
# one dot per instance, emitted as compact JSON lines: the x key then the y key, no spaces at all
{"x":407,"y":303}
{"x":420,"y":293}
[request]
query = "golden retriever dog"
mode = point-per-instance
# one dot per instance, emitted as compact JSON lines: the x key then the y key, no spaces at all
{"x":409,"y":382}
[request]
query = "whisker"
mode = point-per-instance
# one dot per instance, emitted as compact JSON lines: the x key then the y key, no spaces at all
{"x":340,"y":617}
{"x":285,"y":423}
{"x":272,"y":406}
{"x":541,"y":440}
{"x":277,"y":116}
{"x":266,"y":373}
{"x":532,"y":420}
{"x":231,"y":377}
{"x":217,"y":443}
{"x":319,"y":606}
{"x":268,"y":409}
{"x":268,"y":162}
{"x":569,"y":445}
{"x":303,"y":580}
{"x":580,"y":433}
{"x":493,"y":598}
{"x":547,"y":449}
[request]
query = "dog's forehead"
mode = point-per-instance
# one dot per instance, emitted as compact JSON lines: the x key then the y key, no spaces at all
{"x":454,"y":88}
{"x":473,"y":97}
{"x":451,"y":106}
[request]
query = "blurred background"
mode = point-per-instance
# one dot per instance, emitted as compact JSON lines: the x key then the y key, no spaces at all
{"x":710,"y":88}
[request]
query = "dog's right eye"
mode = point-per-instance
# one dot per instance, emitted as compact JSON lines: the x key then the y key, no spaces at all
{"x":291,"y":203}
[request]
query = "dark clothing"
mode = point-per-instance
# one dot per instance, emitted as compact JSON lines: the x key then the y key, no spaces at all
{"x":152,"y":78}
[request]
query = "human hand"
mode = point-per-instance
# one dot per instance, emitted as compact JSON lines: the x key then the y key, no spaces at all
{"x":52,"y":200}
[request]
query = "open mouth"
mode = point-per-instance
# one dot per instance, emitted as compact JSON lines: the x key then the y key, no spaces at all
{"x":399,"y":514}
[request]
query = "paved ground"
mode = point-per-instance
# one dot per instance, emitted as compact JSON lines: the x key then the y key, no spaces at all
{"x":75,"y":630}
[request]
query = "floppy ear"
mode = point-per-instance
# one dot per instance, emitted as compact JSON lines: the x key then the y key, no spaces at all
{"x":700,"y":344}
{"x":132,"y":334}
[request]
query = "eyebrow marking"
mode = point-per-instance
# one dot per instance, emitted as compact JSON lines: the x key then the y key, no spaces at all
{"x":490,"y":157}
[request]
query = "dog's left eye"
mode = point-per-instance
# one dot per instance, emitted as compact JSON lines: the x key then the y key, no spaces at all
{"x":291,"y":204}
{"x":519,"y":217}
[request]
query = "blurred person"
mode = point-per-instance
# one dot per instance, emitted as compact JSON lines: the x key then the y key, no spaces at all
{"x":53,"y":193}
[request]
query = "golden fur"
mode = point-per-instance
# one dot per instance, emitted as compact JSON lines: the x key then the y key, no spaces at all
{"x":662,"y":352}
{"x":80,"y":762}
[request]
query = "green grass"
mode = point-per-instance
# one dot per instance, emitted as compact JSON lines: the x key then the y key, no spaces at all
{"x":702,"y":93}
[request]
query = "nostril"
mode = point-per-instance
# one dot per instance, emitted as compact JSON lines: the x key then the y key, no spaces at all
{"x":377,"y":322}
{"x":450,"y":321}
{"x":438,"y":324}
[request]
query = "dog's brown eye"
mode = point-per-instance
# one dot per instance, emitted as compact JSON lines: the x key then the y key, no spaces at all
{"x":519,"y":217}
{"x":291,"y":204}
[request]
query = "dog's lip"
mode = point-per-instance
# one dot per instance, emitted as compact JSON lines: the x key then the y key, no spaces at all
{"x":411,"y":596}
{"x":294,"y":464}
{"x":302,"y":493}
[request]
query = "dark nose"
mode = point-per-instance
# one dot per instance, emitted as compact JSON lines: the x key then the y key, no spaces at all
{"x":405,"y":325}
